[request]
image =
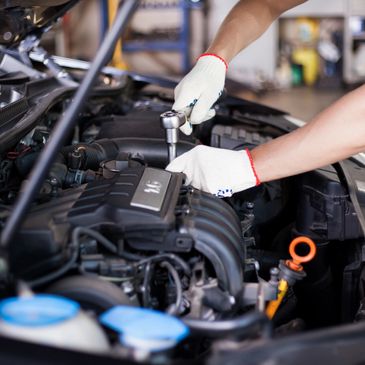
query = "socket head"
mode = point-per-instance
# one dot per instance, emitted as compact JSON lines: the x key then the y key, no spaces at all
{"x":172,"y":119}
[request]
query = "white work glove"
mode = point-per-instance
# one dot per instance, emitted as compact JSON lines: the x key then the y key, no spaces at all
{"x":200,"y":89}
{"x":216,"y":171}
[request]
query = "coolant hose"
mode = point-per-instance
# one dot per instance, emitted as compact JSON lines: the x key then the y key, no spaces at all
{"x":239,"y":326}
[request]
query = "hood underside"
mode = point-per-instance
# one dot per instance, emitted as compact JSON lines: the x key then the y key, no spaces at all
{"x":29,"y":3}
{"x":19,"y":19}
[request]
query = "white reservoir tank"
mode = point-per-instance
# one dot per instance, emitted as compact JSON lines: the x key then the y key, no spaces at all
{"x":51,"y":320}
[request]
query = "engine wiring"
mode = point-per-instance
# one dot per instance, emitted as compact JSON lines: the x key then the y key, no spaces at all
{"x":145,"y":286}
{"x":174,"y":308}
{"x":110,"y":246}
{"x":147,"y":264}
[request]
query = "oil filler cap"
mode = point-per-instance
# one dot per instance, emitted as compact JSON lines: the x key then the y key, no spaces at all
{"x":145,"y":329}
{"x":37,"y":310}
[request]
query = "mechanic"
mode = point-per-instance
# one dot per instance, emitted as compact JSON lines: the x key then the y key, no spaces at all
{"x":336,"y":133}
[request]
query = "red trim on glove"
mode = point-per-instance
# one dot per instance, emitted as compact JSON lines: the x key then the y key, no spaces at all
{"x":258,"y":182}
{"x":216,"y":56}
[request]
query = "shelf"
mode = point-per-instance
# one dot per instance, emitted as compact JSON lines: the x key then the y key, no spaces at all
{"x":182,"y":42}
{"x":135,"y":46}
{"x":187,"y":5}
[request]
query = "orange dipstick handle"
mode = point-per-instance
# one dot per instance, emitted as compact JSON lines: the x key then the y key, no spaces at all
{"x":297,"y":261}
{"x":296,"y":265}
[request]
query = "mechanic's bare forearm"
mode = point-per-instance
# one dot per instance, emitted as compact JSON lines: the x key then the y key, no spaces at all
{"x":247,"y":21}
{"x":335,"y":134}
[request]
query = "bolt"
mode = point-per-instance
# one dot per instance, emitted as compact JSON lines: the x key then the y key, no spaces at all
{"x":7,"y":36}
{"x":274,"y":275}
{"x":250,"y":205}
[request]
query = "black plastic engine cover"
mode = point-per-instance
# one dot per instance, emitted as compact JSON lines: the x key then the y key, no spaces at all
{"x":138,"y":202}
{"x":149,"y":209}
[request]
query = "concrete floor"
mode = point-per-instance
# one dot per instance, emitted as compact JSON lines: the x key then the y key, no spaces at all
{"x":303,"y":103}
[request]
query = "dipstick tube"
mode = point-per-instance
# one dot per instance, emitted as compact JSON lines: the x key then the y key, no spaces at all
{"x":274,"y":304}
{"x":291,"y":271}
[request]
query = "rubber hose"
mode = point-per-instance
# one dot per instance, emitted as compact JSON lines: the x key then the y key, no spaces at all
{"x":239,"y":326}
{"x":153,"y":150}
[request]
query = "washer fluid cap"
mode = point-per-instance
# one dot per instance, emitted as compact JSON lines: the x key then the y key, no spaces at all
{"x":145,"y":329}
{"x":37,"y":310}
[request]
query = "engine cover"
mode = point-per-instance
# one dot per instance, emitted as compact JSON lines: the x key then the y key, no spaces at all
{"x":150,"y":209}
{"x":139,"y":202}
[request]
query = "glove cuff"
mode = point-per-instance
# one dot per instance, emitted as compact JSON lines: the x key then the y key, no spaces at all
{"x":216,"y":56}
{"x":258,"y":182}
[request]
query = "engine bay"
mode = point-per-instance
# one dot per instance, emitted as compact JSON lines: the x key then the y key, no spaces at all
{"x":111,"y":227}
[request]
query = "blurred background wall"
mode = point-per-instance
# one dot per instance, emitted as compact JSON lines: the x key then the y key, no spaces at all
{"x":159,"y":22}
{"x":320,"y":44}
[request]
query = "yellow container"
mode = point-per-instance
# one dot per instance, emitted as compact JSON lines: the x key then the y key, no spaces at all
{"x":309,"y":58}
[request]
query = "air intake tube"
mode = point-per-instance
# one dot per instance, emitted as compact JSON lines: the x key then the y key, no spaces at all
{"x":153,"y":151}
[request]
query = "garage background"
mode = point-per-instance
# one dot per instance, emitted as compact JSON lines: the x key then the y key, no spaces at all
{"x":306,"y":60}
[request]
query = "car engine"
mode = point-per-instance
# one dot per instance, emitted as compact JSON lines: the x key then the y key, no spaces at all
{"x":149,"y":211}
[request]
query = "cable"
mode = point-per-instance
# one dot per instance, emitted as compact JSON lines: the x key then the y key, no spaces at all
{"x":145,"y":285}
{"x":114,"y":279}
{"x":61,"y":271}
{"x":75,"y":246}
{"x":239,"y":326}
{"x":167,"y":256}
{"x":174,"y":309}
{"x":109,"y":245}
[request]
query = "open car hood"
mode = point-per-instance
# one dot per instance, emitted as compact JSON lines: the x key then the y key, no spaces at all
{"x":19,"y":19}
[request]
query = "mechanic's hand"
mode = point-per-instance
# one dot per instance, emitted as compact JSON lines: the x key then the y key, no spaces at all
{"x":199,"y":89}
{"x":216,"y":171}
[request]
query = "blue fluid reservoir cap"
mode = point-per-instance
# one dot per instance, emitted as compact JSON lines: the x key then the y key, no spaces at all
{"x":37,"y":310}
{"x":145,"y":328}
